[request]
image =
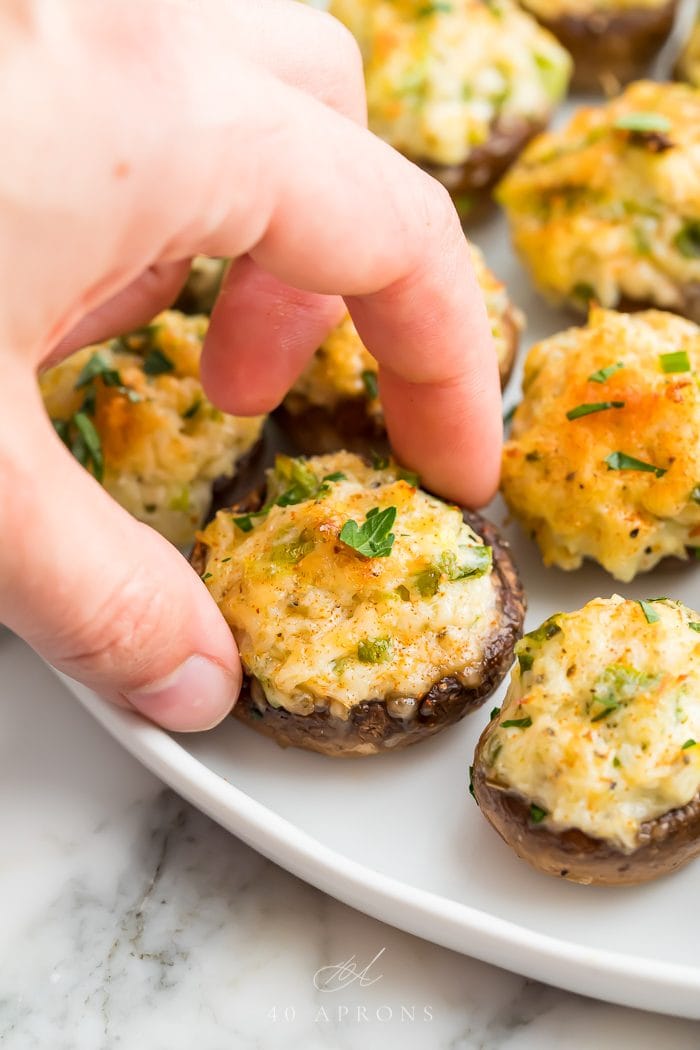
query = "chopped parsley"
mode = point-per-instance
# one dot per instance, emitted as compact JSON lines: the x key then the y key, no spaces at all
{"x":155,"y":363}
{"x":675,"y":362}
{"x":495,"y":712}
{"x":687,"y":240}
{"x":471,"y":783}
{"x":369,"y":380}
{"x":689,"y":743}
{"x":374,"y":650}
{"x":410,"y":476}
{"x":695,"y":626}
{"x":508,"y":416}
{"x":537,"y":814}
{"x":372,"y":539}
{"x":438,"y":7}
{"x":193,"y":409}
{"x":85,"y":444}
{"x":378,"y":461}
{"x":517,"y":723}
{"x":206,"y":576}
{"x":584,"y":292}
{"x":523,"y":649}
{"x":621,"y":461}
{"x":643,"y":122}
{"x":604,"y":373}
{"x":589,"y":409}
{"x":615,"y":687}
{"x":650,"y":613}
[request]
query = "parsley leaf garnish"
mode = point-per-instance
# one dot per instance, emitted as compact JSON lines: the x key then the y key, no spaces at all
{"x":369,"y":380}
{"x":155,"y":363}
{"x":589,"y":409}
{"x":372,"y":539}
{"x":517,"y":723}
{"x":604,"y":373}
{"x":650,"y":613}
{"x":88,"y":447}
{"x":621,"y":461}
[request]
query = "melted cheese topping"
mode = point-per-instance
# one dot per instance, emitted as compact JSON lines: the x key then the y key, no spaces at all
{"x":600,"y":212}
{"x":614,"y":705}
{"x":555,"y":476}
{"x":335,"y":373}
{"x":319,"y":625}
{"x":688,"y":67}
{"x":439,"y":75}
{"x":585,"y":9}
{"x":162,"y":441}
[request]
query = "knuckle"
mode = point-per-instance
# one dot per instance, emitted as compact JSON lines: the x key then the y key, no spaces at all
{"x":344,"y":74}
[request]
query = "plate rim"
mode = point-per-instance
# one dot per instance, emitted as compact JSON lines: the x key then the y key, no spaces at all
{"x":615,"y":977}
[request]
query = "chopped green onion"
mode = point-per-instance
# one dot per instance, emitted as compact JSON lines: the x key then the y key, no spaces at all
{"x":621,"y":461}
{"x":642,"y":122}
{"x":695,"y":626}
{"x":89,"y":435}
{"x":537,"y":814}
{"x":650,"y":614}
{"x":675,"y":362}
{"x":517,"y":723}
{"x":688,"y":743}
{"x":589,"y":409}
{"x":374,"y":650}
{"x":604,"y":373}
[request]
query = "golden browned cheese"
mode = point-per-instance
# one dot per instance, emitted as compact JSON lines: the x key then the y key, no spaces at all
{"x":439,"y":75}
{"x":570,"y":481}
{"x":688,"y":65}
{"x":599,"y":727}
{"x":322,"y":624}
{"x":160,"y":441}
{"x":609,"y":207}
{"x":343,"y":368}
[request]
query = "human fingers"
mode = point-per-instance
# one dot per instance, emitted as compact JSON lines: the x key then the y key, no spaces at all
{"x":100,"y":596}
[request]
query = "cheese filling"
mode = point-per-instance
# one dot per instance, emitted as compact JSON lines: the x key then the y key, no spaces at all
{"x":619,"y":483}
{"x":600,"y":729}
{"x":158,"y":442}
{"x":325,"y":624}
{"x":609,"y":207}
{"x":439,"y":75}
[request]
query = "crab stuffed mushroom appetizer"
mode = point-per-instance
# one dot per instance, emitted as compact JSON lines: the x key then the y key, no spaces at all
{"x":132,"y":410}
{"x":608,"y":209}
{"x":335,"y":404}
{"x":368,"y":613}
{"x":603,"y":461}
{"x":610,"y":41}
{"x":591,"y":769}
{"x":459,"y":87}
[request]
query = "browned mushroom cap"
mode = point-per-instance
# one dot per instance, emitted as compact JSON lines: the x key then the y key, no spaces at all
{"x":666,"y":843}
{"x":487,"y":162}
{"x":610,"y":48}
{"x":378,"y":725}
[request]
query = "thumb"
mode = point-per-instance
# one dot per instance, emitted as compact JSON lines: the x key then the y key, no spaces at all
{"x":99,"y":595}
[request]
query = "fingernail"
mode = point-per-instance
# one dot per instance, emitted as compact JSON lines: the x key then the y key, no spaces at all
{"x":197,"y":695}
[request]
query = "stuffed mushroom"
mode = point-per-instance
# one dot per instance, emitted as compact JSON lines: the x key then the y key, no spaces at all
{"x":335,"y":402}
{"x":608,"y":209}
{"x":368,"y":613}
{"x":459,"y":87}
{"x":591,"y":769}
{"x":688,"y":64}
{"x":202,"y":286}
{"x":610,"y":41}
{"x":603,"y":460}
{"x":132,"y":410}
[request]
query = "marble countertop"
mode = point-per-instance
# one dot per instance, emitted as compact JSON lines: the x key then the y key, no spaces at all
{"x":130,"y":921}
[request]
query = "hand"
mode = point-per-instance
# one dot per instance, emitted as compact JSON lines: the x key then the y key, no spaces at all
{"x":137,"y":134}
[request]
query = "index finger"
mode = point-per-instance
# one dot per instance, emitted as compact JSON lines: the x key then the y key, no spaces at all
{"x":342,"y":213}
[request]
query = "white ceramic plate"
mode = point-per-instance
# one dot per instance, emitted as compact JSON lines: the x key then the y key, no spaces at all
{"x":400,"y":838}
